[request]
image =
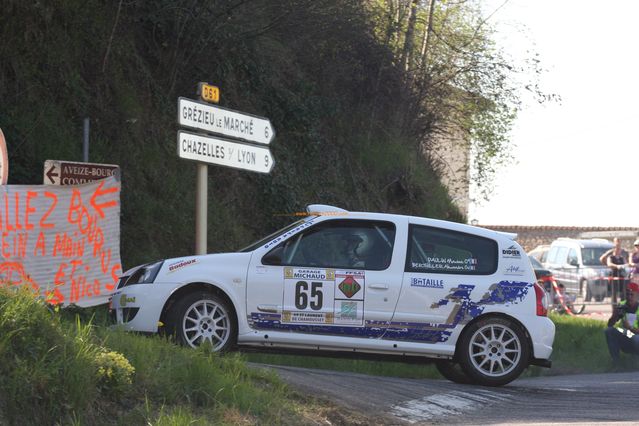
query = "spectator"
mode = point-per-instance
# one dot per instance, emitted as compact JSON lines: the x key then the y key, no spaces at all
{"x":633,"y":261}
{"x":624,"y":338}
{"x":617,"y":262}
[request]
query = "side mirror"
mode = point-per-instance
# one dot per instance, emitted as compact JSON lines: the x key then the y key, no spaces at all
{"x":273,"y":257}
{"x":573,"y":262}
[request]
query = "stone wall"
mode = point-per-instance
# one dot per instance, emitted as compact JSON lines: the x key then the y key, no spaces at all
{"x":532,"y":236}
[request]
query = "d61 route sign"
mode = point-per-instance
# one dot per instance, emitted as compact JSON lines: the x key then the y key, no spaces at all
{"x":213,"y":150}
{"x":58,"y":172}
{"x":226,"y":122}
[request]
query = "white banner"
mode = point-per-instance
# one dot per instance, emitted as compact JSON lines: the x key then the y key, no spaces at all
{"x":62,"y":241}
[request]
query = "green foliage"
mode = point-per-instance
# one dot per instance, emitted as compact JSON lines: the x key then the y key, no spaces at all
{"x":46,"y":367}
{"x":57,"y":371}
{"x":313,"y":67}
{"x":114,"y":373}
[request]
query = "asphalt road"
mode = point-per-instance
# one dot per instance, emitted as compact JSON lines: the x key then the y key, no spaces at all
{"x":582,"y":399}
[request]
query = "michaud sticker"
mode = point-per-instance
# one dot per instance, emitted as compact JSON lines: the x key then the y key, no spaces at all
{"x":426,"y":282}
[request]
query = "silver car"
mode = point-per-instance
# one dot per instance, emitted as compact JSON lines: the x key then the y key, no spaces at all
{"x":575,"y":264}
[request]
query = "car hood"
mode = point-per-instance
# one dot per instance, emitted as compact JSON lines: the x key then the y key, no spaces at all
{"x":204,"y":267}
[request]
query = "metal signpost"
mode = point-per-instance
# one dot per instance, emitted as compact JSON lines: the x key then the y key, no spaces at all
{"x":73,"y":173}
{"x":207,"y":149}
{"x":4,"y":160}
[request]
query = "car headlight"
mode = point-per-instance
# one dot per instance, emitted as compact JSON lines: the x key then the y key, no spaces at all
{"x":145,"y":274}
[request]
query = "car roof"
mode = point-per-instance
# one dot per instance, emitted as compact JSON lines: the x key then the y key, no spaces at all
{"x":336,"y":212}
{"x":596,"y":242}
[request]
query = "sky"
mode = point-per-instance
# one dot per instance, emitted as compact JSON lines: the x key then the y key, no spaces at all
{"x":575,"y":161}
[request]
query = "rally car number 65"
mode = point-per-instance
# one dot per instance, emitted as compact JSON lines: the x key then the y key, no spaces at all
{"x":371,"y":283}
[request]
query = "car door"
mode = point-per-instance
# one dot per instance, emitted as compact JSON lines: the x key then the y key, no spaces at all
{"x":442,"y":269}
{"x":338,"y":277}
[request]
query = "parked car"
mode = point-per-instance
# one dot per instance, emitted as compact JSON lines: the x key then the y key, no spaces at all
{"x":540,"y":253}
{"x":575,"y":264}
{"x":352,"y":283}
{"x":543,"y":275}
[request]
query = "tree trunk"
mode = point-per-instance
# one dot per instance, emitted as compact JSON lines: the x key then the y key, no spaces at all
{"x":407,"y":52}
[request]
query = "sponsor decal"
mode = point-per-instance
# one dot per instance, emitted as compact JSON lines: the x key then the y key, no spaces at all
{"x":309,"y":274}
{"x":446,"y":264}
{"x":307,"y":317}
{"x":511,"y":252}
{"x":311,"y":296}
{"x":290,"y":233}
{"x":126,"y":300}
{"x":349,"y":286}
{"x":181,"y":264}
{"x":426,"y":282}
{"x":348,"y":310}
{"x":514,"y":270}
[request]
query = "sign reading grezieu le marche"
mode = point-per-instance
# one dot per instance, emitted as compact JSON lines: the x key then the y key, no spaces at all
{"x":58,"y":172}
{"x":222,"y":121}
{"x":213,"y":150}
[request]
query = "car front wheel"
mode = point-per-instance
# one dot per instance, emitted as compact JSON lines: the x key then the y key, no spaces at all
{"x":203,"y":318}
{"x":494,"y":351}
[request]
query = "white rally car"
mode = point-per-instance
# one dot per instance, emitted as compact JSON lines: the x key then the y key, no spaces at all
{"x":350,"y":282}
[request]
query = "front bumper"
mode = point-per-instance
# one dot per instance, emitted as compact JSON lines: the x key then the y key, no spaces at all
{"x":138,"y":307}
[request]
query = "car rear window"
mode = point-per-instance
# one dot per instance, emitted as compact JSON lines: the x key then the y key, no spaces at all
{"x":442,"y":251}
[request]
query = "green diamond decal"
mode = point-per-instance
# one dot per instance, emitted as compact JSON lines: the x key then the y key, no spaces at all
{"x":349,"y":286}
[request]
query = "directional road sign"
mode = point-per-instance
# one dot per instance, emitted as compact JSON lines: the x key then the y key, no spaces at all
{"x":215,"y":119}
{"x":72,"y":173}
{"x":213,"y":150}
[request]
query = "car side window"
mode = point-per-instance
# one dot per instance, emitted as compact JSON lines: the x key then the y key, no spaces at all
{"x":572,"y":257}
{"x":562,"y":255}
{"x":352,"y":244}
{"x":552,"y":255}
{"x":442,"y":251}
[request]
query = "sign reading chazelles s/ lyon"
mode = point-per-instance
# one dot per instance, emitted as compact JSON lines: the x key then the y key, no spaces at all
{"x":62,"y":241}
{"x":213,"y":150}
{"x":73,"y":173}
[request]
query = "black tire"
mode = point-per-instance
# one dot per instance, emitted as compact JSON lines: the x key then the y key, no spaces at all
{"x":576,"y":308}
{"x":493,"y":351}
{"x":201,"y":317}
{"x":452,"y":371}
{"x":585,"y":291}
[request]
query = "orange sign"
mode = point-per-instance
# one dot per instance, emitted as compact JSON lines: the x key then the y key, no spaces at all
{"x":4,"y":160}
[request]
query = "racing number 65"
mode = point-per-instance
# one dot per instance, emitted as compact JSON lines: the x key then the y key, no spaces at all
{"x":302,"y":296}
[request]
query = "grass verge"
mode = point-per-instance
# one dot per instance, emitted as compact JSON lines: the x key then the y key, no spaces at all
{"x":57,"y":370}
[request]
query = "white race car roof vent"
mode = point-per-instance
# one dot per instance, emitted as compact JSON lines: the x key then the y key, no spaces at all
{"x":323,"y":208}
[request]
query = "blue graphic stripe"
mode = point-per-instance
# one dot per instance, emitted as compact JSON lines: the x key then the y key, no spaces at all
{"x":502,"y":293}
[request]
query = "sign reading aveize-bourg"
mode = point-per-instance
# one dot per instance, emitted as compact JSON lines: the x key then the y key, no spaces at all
{"x":62,"y":241}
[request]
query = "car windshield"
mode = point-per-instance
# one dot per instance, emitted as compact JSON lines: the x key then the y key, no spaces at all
{"x":591,"y":255}
{"x":274,"y":235}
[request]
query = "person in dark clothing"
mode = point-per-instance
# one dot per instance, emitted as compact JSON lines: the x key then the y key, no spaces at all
{"x":626,"y":337}
{"x":617,"y":261}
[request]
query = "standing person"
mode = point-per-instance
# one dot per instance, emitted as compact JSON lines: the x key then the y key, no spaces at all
{"x":627,"y":314}
{"x":633,"y":261}
{"x":616,"y":262}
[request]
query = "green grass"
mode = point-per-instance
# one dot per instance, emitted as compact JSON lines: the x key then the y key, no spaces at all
{"x":59,"y":368}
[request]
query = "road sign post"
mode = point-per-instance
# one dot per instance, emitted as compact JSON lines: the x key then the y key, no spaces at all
{"x":207,"y":149}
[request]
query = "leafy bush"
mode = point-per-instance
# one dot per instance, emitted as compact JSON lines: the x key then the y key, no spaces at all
{"x":114,"y":372}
